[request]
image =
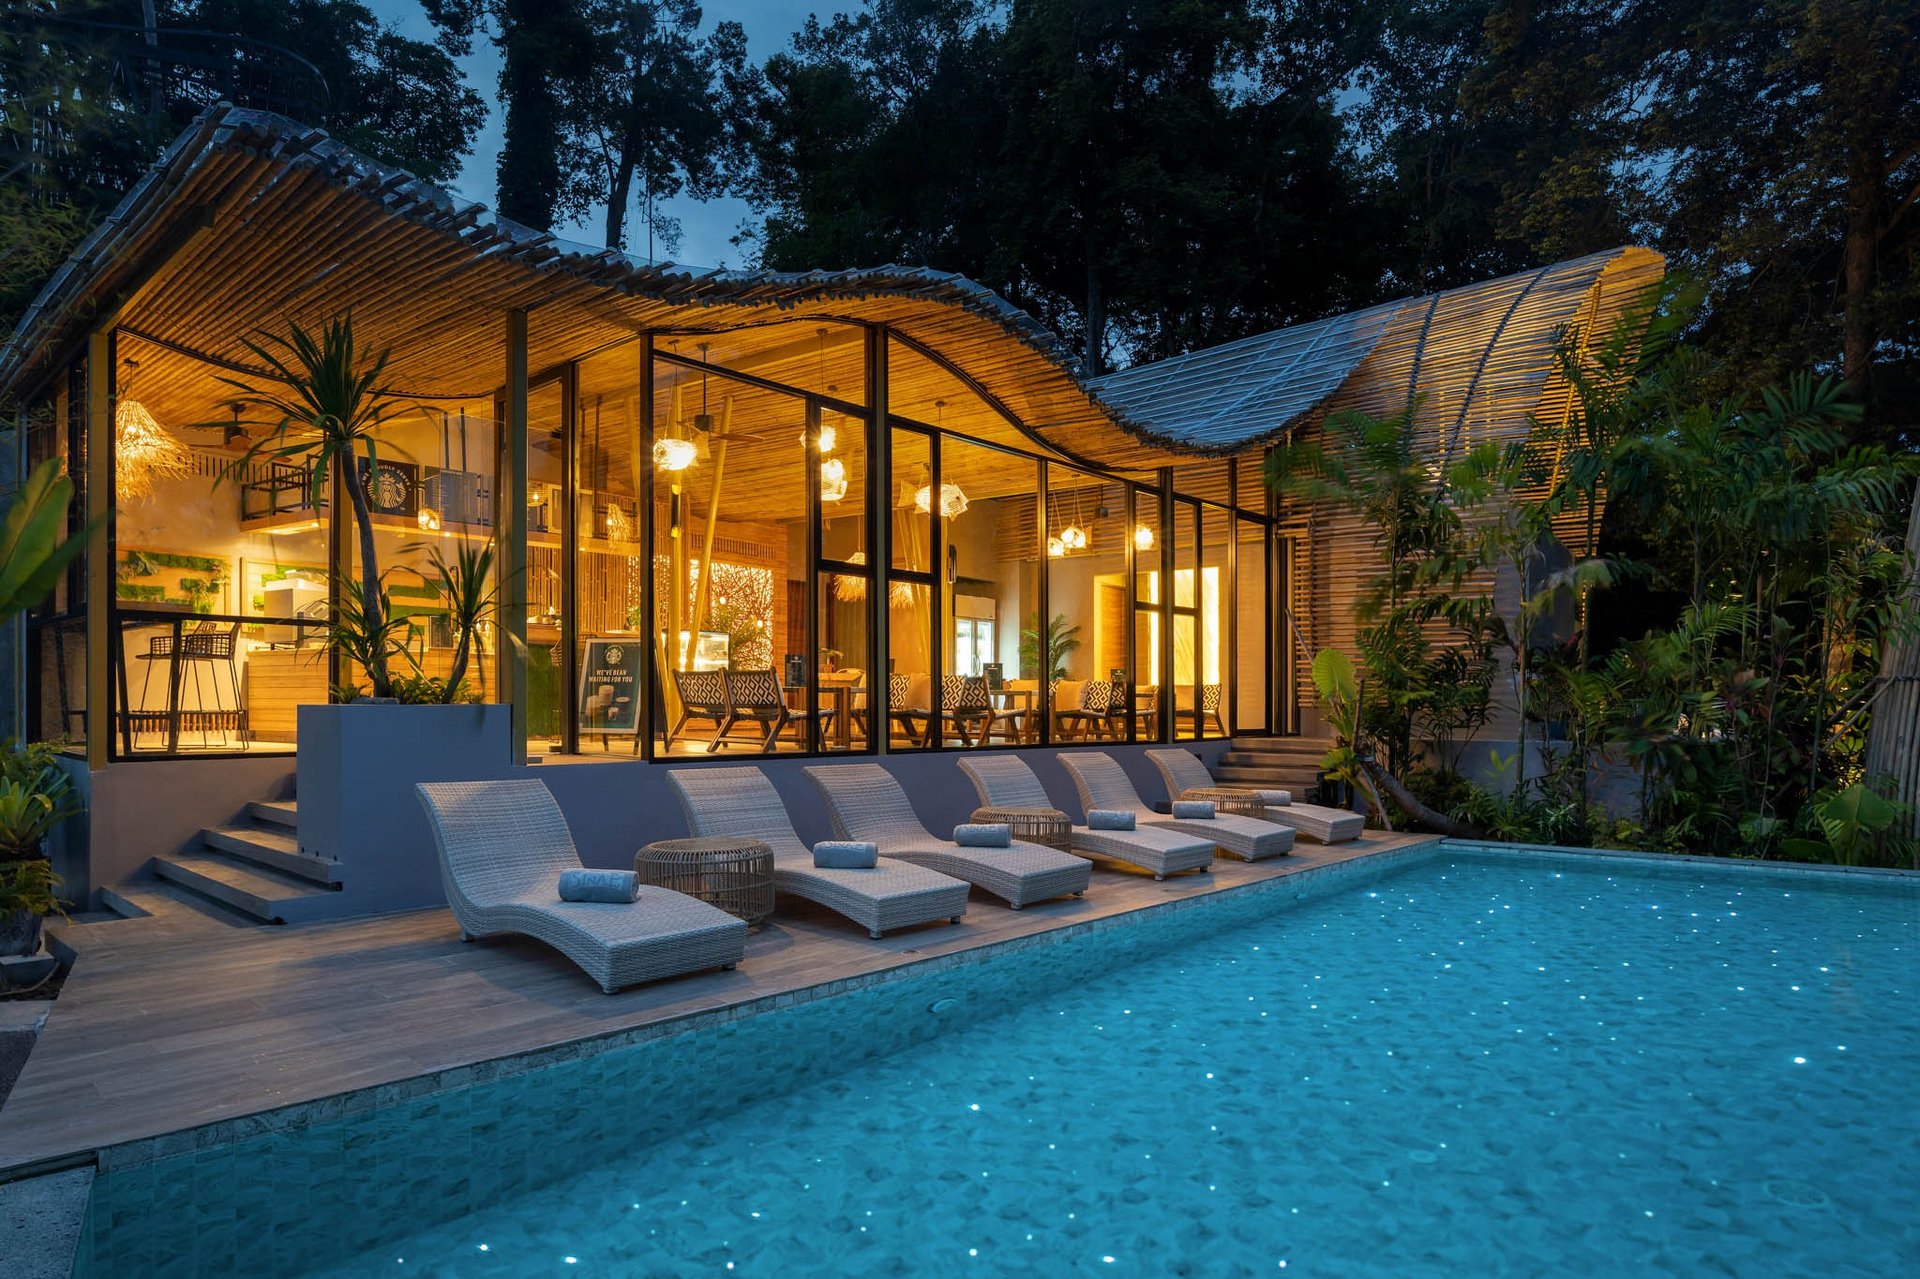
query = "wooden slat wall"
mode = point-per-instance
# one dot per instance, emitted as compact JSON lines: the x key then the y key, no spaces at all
{"x":1478,"y":364}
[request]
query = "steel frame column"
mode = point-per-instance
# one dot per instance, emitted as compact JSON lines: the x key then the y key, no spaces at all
{"x":510,"y":517}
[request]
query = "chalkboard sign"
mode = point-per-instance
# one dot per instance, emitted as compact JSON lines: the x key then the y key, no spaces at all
{"x":796,"y":670}
{"x":995,"y":673}
{"x":610,"y":686}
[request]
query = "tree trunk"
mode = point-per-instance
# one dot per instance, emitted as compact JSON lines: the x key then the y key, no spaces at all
{"x":1862,"y":237}
{"x":371,"y":609}
{"x":618,"y":194}
{"x":1093,"y":357}
{"x":1437,"y":822}
{"x":528,"y":174}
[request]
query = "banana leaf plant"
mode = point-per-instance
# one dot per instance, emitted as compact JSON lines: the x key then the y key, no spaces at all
{"x":327,"y":411}
{"x":34,"y":548}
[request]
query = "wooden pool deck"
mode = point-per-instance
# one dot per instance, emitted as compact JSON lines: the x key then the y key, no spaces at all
{"x":175,"y":1022}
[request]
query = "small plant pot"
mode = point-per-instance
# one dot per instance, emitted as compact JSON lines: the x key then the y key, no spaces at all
{"x":20,"y":933}
{"x":1334,"y":794}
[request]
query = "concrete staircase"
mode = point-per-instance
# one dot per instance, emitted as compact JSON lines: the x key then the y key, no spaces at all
{"x":256,"y":868}
{"x":1290,"y":763}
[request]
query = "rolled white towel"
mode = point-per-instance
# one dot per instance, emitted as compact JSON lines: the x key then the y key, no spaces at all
{"x":1109,"y":819}
{"x":1190,"y":810}
{"x":599,"y":886}
{"x":846,"y":854}
{"x":983,"y":835}
{"x":1275,"y":798}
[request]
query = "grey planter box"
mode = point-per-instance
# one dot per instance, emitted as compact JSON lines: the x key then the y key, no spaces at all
{"x":357,"y":769}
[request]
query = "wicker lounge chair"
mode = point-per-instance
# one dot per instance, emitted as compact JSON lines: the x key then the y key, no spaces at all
{"x":1005,"y":782}
{"x":867,"y":803}
{"x":741,"y":801}
{"x":1188,"y":778}
{"x":1103,"y":784}
{"x":502,"y":847}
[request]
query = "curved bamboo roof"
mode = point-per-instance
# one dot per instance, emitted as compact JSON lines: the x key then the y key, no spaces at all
{"x":250,"y":220}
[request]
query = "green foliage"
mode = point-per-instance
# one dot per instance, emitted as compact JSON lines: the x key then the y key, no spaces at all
{"x":1044,"y":657}
{"x":85,"y":113}
{"x":1143,"y":177}
{"x":1376,"y":469}
{"x":1856,"y":826}
{"x":467,"y":588}
{"x":34,"y":547}
{"x":36,"y":795}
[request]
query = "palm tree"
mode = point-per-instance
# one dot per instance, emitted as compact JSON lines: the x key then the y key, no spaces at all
{"x":328,"y":412}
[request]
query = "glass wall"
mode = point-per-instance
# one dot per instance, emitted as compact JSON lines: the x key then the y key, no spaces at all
{"x":991,"y":593}
{"x":733,"y":540}
{"x":223,"y":565}
{"x":610,"y":566}
{"x":1088,"y":544}
{"x":911,"y":598}
{"x":1214,"y":634}
{"x":706,"y":569}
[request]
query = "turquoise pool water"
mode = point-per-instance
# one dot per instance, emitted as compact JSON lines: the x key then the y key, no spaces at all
{"x":1479,"y":1063}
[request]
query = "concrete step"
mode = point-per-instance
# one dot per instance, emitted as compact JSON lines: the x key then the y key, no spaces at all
{"x":1288,"y":777}
{"x":265,"y":895}
{"x":274,"y":847}
{"x":153,"y":897}
{"x":1284,"y":746}
{"x":275,"y":812}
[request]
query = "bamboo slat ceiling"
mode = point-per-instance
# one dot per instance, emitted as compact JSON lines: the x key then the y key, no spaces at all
{"x":251,"y":219}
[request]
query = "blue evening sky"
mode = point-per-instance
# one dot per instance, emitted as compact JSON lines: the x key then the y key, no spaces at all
{"x":705,"y":225}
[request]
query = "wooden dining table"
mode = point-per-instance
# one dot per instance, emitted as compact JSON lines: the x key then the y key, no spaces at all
{"x":838,"y":700}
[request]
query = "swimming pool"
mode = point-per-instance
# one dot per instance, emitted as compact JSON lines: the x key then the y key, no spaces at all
{"x":1472,"y":1062}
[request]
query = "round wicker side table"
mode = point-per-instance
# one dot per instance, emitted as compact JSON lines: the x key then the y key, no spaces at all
{"x":1241,"y":803}
{"x":1047,"y":826}
{"x":735,"y":874}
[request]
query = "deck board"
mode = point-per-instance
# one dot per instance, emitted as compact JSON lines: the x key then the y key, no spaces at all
{"x":176,"y":1021}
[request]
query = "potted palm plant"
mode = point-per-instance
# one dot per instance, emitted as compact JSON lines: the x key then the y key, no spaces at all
{"x":327,"y":413}
{"x":329,"y":407}
{"x":1044,"y":652}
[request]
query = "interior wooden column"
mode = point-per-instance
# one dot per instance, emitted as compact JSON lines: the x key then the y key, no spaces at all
{"x":511,"y":519}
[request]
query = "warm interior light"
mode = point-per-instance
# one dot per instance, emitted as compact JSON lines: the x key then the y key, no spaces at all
{"x":827,"y":439}
{"x":1056,"y":548}
{"x":429,"y":519}
{"x":674,"y":454}
{"x":1143,"y":537}
{"x":953,"y":502}
{"x":143,"y":451}
{"x":281,"y":530}
{"x":1073,"y":537}
{"x":833,"y":480}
